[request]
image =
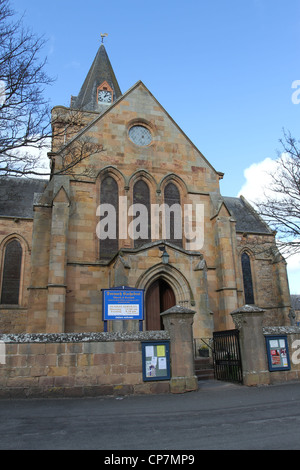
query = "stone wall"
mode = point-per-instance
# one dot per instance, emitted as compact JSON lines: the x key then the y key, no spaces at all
{"x":252,"y":335}
{"x":62,"y":365}
{"x":92,"y":364}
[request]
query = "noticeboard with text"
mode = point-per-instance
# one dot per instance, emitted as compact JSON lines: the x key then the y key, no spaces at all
{"x":156,"y":360}
{"x":123,"y":303}
{"x":278,"y":353}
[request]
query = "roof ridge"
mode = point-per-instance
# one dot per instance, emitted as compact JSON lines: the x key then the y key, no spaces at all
{"x":247,"y":218}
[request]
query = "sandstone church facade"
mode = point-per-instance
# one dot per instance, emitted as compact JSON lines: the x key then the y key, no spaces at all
{"x":54,"y":265}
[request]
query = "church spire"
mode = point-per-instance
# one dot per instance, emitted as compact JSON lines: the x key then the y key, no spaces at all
{"x":100,"y":87}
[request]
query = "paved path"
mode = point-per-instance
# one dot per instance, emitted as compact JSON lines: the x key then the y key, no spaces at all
{"x":218,"y":416}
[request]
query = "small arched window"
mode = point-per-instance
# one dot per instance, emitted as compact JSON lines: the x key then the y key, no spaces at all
{"x":141,"y":195}
{"x":247,"y":279}
{"x":109,"y":218}
{"x":11,"y":273}
{"x":174,"y":221}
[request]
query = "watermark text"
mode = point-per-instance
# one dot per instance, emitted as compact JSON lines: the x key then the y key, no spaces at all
{"x":161,"y":221}
{"x":296,"y":94}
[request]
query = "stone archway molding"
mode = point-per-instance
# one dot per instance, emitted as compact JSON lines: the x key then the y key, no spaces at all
{"x":176,"y":280}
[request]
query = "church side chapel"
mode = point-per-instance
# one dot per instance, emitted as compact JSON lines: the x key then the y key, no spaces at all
{"x":54,"y":256}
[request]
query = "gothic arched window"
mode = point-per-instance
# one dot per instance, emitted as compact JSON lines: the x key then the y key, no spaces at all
{"x":142,"y":219}
{"x":247,"y":279}
{"x":109,"y":218}
{"x":11,"y":273}
{"x":174,"y":221}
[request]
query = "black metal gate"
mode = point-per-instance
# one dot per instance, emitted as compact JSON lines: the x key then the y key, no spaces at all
{"x":227,"y":356}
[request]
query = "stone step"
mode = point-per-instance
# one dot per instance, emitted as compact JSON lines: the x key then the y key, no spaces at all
{"x":206,"y":374}
{"x":203,"y":363}
{"x":204,"y":368}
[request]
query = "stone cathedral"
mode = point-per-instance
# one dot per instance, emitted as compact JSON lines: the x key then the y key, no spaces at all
{"x":124,"y":152}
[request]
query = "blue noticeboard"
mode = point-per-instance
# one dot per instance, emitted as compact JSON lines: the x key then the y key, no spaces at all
{"x":123,"y":303}
{"x":278,"y":353}
{"x":156,"y":360}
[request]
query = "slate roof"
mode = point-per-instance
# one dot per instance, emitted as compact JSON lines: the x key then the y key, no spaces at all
{"x":16,"y":195}
{"x":100,"y":71}
{"x":247,"y":219}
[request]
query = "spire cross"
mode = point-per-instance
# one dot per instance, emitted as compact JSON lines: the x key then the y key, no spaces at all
{"x":103,"y":35}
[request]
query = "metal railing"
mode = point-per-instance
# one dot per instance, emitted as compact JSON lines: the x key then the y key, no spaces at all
{"x":202,"y":345}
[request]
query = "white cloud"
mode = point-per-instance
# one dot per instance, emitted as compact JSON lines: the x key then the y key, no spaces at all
{"x":294,"y":280}
{"x":43,"y":161}
{"x":258,"y":180}
{"x":293,"y":270}
{"x":38,"y":159}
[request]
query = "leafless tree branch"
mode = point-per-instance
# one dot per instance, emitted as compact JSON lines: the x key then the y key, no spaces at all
{"x":26,"y":126}
{"x":281,"y":205}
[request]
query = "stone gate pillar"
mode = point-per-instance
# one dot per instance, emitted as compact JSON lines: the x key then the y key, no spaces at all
{"x":248,"y":320}
{"x":178,"y":322}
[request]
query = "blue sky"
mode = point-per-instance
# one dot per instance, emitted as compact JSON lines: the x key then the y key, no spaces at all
{"x":222,"y":69}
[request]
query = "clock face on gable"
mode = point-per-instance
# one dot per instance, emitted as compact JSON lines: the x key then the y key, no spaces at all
{"x":104,"y":96}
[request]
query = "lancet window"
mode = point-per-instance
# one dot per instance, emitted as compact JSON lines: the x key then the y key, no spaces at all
{"x":247,"y":279}
{"x":109,"y":194}
{"x":11,"y":273}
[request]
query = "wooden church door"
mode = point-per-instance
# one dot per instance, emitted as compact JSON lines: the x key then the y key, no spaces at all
{"x":159,"y":297}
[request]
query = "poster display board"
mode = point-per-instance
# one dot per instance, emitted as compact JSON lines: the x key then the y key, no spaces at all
{"x":156,"y":360}
{"x":278,"y":353}
{"x":123,"y":303}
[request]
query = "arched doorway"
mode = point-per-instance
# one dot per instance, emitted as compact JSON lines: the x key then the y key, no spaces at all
{"x":159,"y":297}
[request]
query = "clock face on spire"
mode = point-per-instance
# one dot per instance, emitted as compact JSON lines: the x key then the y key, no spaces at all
{"x":104,"y":96}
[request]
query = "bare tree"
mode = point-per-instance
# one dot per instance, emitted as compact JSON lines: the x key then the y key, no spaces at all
{"x":24,"y":112}
{"x":281,"y":205}
{"x":26,"y":129}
